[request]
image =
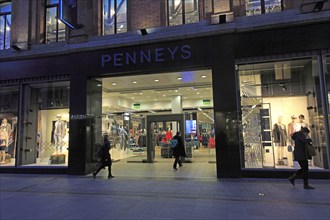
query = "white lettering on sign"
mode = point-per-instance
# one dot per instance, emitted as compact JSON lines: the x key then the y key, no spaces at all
{"x":146,"y":56}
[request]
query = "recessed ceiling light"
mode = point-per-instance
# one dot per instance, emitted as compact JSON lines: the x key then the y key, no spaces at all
{"x":134,"y":82}
{"x":203,"y":76}
{"x":114,"y":84}
{"x":164,"y":95}
{"x":156,"y":80}
{"x":99,"y":85}
{"x":176,"y":90}
{"x":179,"y":78}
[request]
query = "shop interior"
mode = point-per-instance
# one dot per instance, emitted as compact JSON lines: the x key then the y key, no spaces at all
{"x":141,"y":113}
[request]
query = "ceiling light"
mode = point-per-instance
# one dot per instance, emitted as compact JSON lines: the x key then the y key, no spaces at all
{"x":134,"y":82}
{"x":114,"y":84}
{"x":176,"y":90}
{"x":203,"y":76}
{"x":99,"y":85}
{"x":156,"y":80}
{"x":179,"y":78}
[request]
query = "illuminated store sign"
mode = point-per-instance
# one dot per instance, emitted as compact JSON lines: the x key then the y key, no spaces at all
{"x":148,"y":56}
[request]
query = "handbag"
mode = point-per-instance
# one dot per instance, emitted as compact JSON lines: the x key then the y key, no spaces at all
{"x":310,"y":150}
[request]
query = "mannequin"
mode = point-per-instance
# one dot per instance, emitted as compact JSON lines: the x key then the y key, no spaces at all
{"x":59,"y":133}
{"x":3,"y":141}
{"x":280,"y":137}
{"x":123,"y":135}
{"x":292,"y":127}
{"x":301,"y":123}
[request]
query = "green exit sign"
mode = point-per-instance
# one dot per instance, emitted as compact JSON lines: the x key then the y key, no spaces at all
{"x":206,"y":102}
{"x":136,"y":105}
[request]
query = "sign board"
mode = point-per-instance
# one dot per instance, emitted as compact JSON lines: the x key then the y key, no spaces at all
{"x":68,"y":13}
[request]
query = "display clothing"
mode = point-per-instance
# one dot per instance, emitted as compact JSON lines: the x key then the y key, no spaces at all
{"x":212,"y":142}
{"x":168,"y":135}
{"x":3,"y":140}
{"x":123,"y":135}
{"x":279,"y":134}
{"x":59,"y":133}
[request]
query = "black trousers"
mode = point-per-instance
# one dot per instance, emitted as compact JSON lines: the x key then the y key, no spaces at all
{"x":303,"y":171}
{"x":177,"y":161}
{"x":101,"y":165}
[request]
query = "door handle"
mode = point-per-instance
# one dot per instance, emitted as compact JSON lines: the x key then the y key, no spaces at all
{"x":28,"y":138}
{"x":28,"y":150}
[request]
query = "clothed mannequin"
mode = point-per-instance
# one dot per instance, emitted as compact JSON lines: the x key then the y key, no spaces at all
{"x":280,"y":137}
{"x":301,"y":123}
{"x":59,"y":133}
{"x":123,"y":135}
{"x":292,"y":127}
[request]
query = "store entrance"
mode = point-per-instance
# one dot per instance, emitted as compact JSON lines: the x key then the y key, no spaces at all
{"x":141,"y":113}
{"x":162,"y":128}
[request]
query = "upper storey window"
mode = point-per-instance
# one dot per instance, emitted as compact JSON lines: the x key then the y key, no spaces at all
{"x":256,"y":7}
{"x":114,"y":16}
{"x":55,"y":29}
{"x":182,"y":12}
{"x":5,"y":25}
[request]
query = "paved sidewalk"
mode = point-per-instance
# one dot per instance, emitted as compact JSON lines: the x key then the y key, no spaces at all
{"x":174,"y":195}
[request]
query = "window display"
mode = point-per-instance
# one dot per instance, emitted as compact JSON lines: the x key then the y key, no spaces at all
{"x":8,"y":127}
{"x":275,"y":103}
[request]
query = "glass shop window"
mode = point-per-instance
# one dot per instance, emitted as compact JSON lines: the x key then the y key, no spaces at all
{"x":277,"y":99}
{"x":55,"y":29}
{"x":5,"y":25}
{"x":45,"y":127}
{"x":114,"y":16}
{"x":182,"y":12}
{"x":257,"y":7}
{"x":9,"y":98}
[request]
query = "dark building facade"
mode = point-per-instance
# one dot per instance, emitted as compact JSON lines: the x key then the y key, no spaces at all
{"x":267,"y":74}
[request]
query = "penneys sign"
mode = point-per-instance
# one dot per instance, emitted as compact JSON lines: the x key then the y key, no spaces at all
{"x":146,"y":56}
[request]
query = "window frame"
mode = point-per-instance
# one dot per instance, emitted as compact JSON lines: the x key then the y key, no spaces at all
{"x":116,"y":11}
{"x":5,"y":15}
{"x":183,"y":12}
{"x":47,"y":7}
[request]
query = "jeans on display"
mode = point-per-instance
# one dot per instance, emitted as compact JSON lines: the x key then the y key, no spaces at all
{"x":58,"y":142}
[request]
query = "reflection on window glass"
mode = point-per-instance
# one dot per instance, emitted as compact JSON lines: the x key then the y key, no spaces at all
{"x":175,"y":12}
{"x":114,"y":16}
{"x":254,"y":7}
{"x":182,"y":12}
{"x":5,"y":25}
{"x":55,"y":29}
{"x":277,"y":99}
{"x":191,"y":11}
{"x":8,"y":127}
{"x":272,"y":6}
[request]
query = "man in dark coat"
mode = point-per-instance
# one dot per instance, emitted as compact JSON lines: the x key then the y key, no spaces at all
{"x":105,"y":159}
{"x":300,"y":154}
{"x":178,"y":151}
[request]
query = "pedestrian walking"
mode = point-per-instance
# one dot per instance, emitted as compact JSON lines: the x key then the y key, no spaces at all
{"x":178,"y":151}
{"x":301,"y":139}
{"x":105,"y":158}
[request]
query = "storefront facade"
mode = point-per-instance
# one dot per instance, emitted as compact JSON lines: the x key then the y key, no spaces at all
{"x":256,"y":84}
